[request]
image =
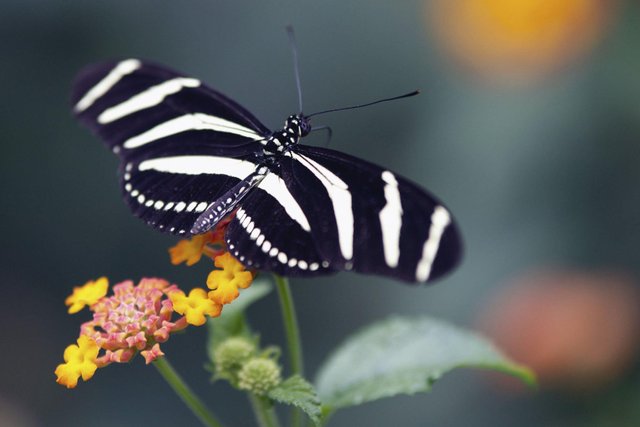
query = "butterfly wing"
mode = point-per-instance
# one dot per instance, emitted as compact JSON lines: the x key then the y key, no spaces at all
{"x":369,"y":219}
{"x":270,"y":232}
{"x":132,"y":104}
{"x":182,"y":144}
{"x":171,"y":192}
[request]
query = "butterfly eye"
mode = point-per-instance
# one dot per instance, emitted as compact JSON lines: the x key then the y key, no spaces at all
{"x":305,"y":126}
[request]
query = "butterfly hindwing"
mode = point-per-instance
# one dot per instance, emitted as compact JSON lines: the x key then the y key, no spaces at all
{"x":171,"y":192}
{"x":369,"y":219}
{"x":264,"y":235}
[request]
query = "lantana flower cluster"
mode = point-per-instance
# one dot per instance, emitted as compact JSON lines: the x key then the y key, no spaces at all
{"x":135,"y":319}
{"x":138,"y":318}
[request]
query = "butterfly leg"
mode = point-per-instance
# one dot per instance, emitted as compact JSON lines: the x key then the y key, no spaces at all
{"x":228,"y":201}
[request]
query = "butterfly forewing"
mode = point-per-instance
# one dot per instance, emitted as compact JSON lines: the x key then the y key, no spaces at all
{"x":159,"y":121}
{"x":369,"y":219}
{"x":131,"y":104}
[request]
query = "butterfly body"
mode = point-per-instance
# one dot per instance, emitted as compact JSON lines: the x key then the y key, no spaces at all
{"x":296,"y":126}
{"x":191,"y":156}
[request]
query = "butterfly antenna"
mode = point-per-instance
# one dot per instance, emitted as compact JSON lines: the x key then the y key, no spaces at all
{"x":296,"y":67}
{"x":406,"y":95}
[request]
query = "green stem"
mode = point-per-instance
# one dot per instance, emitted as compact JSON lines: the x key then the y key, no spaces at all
{"x":186,"y":394}
{"x":294,"y":346}
{"x":292,"y":332}
{"x":264,"y":411}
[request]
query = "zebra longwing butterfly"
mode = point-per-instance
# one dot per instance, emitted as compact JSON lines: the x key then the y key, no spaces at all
{"x":190,"y":156}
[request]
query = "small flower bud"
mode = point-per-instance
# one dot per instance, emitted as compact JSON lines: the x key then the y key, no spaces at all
{"x":259,"y":375}
{"x":231,"y":354}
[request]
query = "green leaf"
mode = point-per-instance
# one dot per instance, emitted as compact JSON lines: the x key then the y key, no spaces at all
{"x":231,"y":322}
{"x":404,"y":356}
{"x":298,"y":392}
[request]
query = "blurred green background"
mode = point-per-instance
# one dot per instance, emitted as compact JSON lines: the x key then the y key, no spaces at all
{"x":528,"y":128}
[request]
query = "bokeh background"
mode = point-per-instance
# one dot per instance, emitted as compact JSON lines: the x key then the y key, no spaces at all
{"x":528,"y":127}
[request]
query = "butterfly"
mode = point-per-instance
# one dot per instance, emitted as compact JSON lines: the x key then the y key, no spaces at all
{"x":191,"y":156}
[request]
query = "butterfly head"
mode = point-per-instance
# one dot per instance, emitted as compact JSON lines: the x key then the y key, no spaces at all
{"x":298,"y":125}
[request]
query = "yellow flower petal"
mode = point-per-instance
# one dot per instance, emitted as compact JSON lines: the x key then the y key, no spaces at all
{"x":224,"y":283}
{"x":195,"y":306}
{"x":80,"y":361}
{"x":88,"y":294}
{"x":189,"y":251}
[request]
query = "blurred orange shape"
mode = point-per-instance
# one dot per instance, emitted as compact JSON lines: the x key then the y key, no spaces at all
{"x":517,"y":39}
{"x":573,"y":329}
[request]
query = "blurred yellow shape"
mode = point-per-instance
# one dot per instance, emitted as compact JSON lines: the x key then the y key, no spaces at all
{"x":522,"y":39}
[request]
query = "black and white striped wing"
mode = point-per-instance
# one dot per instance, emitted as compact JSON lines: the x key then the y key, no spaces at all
{"x":133,"y":105}
{"x":171,"y":192}
{"x":271,"y":232}
{"x":181,"y":143}
{"x":368,"y":219}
